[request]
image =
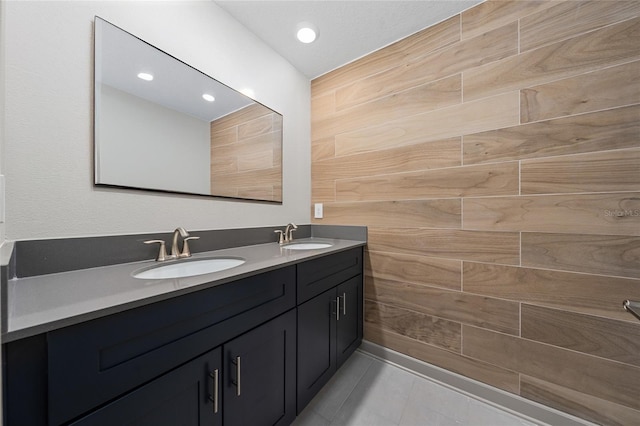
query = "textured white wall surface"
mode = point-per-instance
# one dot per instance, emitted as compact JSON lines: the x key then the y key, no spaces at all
{"x":48,"y":145}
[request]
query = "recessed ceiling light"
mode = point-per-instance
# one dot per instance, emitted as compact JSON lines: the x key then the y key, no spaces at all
{"x":306,"y":32}
{"x":145,"y":76}
{"x":207,"y":97}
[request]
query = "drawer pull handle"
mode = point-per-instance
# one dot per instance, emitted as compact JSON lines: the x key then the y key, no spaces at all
{"x":344,"y":304}
{"x":215,"y":398}
{"x":237,"y":381}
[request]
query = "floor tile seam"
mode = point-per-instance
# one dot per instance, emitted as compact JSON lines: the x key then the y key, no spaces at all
{"x":346,"y":398}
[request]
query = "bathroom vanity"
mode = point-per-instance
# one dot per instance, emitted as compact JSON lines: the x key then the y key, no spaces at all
{"x":248,"y":346}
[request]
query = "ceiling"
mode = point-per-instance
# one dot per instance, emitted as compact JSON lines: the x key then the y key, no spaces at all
{"x":348,"y":30}
{"x":119,"y":58}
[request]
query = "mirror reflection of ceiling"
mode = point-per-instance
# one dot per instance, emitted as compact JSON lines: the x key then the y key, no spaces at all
{"x":348,"y":30}
{"x":174,"y":85}
{"x":233,"y":146}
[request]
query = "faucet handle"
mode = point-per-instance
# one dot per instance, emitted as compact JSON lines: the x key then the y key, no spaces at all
{"x":281,"y":237}
{"x":162,"y":253}
{"x":185,"y":246}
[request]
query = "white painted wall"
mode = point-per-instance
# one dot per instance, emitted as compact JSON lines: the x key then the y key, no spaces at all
{"x":48,"y":145}
{"x":2,"y":128}
{"x":2,"y":115}
{"x":131,"y":129}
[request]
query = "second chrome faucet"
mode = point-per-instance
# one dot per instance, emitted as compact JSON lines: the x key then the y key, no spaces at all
{"x":175,"y":253}
{"x":286,"y":236}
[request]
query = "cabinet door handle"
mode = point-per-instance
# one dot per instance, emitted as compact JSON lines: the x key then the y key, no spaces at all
{"x":344,"y":304}
{"x":215,"y":398}
{"x":237,"y":381}
{"x":337,"y":312}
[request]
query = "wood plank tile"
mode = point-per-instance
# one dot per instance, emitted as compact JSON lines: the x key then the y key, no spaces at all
{"x":489,"y":47}
{"x":589,"y":294}
{"x":612,"y":45}
{"x":269,"y":177}
{"x":596,"y":254}
{"x":260,"y":192}
{"x":323,"y":149}
{"x":256,"y":127}
{"x":408,"y":268}
{"x":577,"y":403}
{"x":248,"y":146}
{"x":482,"y":311}
{"x":243,"y":115}
{"x":277,"y":122}
{"x":256,"y":161}
{"x":467,"y":118}
{"x":497,"y":13}
{"x":322,"y":106}
{"x":598,"y":131}
{"x":593,"y":172}
{"x":407,"y":49}
{"x":223,"y":165}
{"x":569,"y":19}
{"x":598,"y":90}
{"x":599,"y":377}
{"x":424,"y":328}
{"x":603,"y":337}
{"x":323,"y":191}
{"x":414,"y":100}
{"x":422,"y":156}
{"x":609,"y":214}
{"x":479,"y":180}
{"x":478,"y":370}
{"x":224,"y":137}
{"x":402,"y":214}
{"x":496,"y":247}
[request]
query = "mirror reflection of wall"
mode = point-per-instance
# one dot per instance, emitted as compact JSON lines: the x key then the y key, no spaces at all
{"x":161,"y":134}
{"x":246,"y":155}
{"x":139,"y":154}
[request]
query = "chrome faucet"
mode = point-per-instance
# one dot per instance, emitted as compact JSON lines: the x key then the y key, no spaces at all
{"x":286,"y":236}
{"x":174,"y":244}
{"x":175,"y":253}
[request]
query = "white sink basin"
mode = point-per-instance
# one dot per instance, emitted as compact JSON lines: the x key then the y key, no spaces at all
{"x":188,"y":268}
{"x":307,"y":246}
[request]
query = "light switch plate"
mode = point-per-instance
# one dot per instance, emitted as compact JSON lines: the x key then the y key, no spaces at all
{"x":317,"y":211}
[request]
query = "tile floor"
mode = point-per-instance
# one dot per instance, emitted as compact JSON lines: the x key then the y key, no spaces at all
{"x":368,"y":392}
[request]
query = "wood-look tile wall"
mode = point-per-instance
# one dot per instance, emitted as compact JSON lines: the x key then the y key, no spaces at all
{"x":246,"y":154}
{"x":495,"y":158}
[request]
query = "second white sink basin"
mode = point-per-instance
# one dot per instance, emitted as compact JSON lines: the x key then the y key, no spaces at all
{"x":307,"y":246}
{"x":189,"y":268}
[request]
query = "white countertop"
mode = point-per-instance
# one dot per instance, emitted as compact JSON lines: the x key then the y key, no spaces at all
{"x":42,"y":303}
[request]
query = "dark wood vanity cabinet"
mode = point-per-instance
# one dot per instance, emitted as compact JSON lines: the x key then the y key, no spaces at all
{"x":249,"y":380}
{"x":259,"y":375}
{"x":233,"y":354}
{"x":183,"y":396}
{"x":329,"y":323}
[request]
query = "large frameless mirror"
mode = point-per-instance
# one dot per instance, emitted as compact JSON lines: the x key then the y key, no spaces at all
{"x":162,"y":125}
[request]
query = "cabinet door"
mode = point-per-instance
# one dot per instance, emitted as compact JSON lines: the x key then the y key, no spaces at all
{"x":180,"y":397}
{"x":259,"y":374}
{"x":316,"y":345}
{"x":349,"y":325}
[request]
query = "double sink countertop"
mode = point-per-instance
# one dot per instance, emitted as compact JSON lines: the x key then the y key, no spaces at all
{"x":43,"y":303}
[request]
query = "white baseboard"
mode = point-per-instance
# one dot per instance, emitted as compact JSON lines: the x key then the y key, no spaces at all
{"x":504,"y":400}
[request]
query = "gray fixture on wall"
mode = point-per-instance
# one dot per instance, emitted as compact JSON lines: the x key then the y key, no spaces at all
{"x":162,"y":125}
